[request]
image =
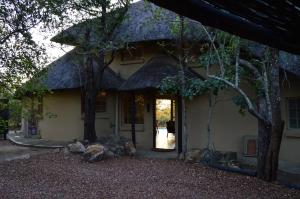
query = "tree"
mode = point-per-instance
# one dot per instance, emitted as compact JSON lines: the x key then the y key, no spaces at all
{"x":238,"y":65}
{"x":179,"y":49}
{"x":20,"y":56}
{"x":263,"y":75}
{"x":97,"y":43}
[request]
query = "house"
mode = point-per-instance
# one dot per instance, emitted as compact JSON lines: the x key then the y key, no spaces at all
{"x":132,"y":80}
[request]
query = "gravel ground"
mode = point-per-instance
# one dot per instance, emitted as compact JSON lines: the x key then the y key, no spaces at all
{"x":55,"y":175}
{"x":4,"y":143}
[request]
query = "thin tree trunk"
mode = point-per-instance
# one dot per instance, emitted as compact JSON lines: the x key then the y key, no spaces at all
{"x":90,"y":101}
{"x":182,"y":80}
{"x":264,"y":133}
{"x":277,"y":122}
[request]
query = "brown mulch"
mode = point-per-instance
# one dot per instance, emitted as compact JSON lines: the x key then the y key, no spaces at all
{"x":55,"y":175}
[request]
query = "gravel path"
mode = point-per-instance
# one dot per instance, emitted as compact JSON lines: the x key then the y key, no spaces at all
{"x":55,"y":175}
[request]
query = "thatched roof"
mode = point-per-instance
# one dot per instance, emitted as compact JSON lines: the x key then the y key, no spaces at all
{"x":288,"y":62}
{"x":67,"y":73}
{"x":151,"y":74}
{"x":142,"y":22}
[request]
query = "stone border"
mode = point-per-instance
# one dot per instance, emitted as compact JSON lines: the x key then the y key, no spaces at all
{"x":14,"y":141}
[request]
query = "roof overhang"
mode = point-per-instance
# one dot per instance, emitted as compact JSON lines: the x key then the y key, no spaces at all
{"x":274,"y":23}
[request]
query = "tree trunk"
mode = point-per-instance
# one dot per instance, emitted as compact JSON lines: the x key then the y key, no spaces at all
{"x":270,"y":135}
{"x":183,"y":85}
{"x":264,"y":133}
{"x":90,"y":101}
{"x":277,"y":122}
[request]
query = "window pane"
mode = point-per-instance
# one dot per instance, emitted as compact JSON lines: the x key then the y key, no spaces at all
{"x":294,"y":113}
{"x":101,"y":102}
{"x":292,"y":104}
{"x":127,"y":108}
{"x":293,"y":123}
{"x":139,"y":117}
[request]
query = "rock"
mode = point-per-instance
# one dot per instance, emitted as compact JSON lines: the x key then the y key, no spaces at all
{"x":230,"y":156}
{"x":95,"y":152}
{"x":193,"y":156}
{"x":76,"y":147}
{"x":181,"y":156}
{"x":119,"y":150}
{"x":66,"y":151}
{"x":129,"y":149}
{"x":109,"y":154}
{"x":86,"y":142}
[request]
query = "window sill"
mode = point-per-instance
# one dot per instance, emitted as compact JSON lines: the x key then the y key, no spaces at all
{"x":138,"y":61}
{"x":293,"y":134}
{"x":98,"y":116}
{"x":127,"y":127}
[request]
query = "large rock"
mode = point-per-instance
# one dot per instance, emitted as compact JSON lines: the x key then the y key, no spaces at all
{"x":95,"y":152}
{"x":129,"y":149}
{"x":193,"y":156}
{"x":76,"y":147}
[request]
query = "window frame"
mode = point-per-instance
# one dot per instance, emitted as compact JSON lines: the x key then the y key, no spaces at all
{"x":288,"y":113}
{"x":127,"y":126}
{"x":96,"y":111}
{"x":136,"y":60}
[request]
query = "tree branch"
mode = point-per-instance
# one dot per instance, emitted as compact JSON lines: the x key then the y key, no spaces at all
{"x":215,"y":49}
{"x":266,"y":90}
{"x":250,"y":105}
{"x":237,"y":58}
{"x":252,"y":68}
{"x":112,"y":57}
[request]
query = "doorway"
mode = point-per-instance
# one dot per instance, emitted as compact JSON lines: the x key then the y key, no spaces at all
{"x":164,"y":126}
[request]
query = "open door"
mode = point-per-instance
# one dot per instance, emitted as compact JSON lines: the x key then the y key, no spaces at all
{"x":164,"y":125}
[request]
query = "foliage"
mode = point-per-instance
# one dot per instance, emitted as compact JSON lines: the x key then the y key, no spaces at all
{"x":193,"y":87}
{"x":163,"y":112}
{"x":20,"y":56}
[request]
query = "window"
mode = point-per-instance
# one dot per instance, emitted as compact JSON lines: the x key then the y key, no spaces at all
{"x":132,"y":55}
{"x":294,"y":113}
{"x":100,"y":102}
{"x":127,"y":108}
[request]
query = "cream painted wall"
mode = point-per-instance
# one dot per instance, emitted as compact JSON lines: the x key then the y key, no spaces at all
{"x":126,"y":69}
{"x":229,"y":126}
{"x":62,"y":118}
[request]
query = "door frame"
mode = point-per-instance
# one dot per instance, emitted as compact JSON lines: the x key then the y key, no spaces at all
{"x":154,"y":120}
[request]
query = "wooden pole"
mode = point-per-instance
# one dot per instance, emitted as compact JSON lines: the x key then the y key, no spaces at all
{"x":154,"y":122}
{"x":172,"y":111}
{"x":179,"y":109}
{"x":117,"y":117}
{"x":133,"y":111}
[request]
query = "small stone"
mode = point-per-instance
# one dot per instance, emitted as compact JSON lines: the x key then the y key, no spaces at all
{"x":109,"y":154}
{"x":181,"y":156}
{"x":86,"y":142}
{"x":129,"y":149}
{"x":76,"y":147}
{"x":193,"y":156}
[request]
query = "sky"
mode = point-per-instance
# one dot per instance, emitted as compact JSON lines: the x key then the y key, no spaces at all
{"x":53,"y":50}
